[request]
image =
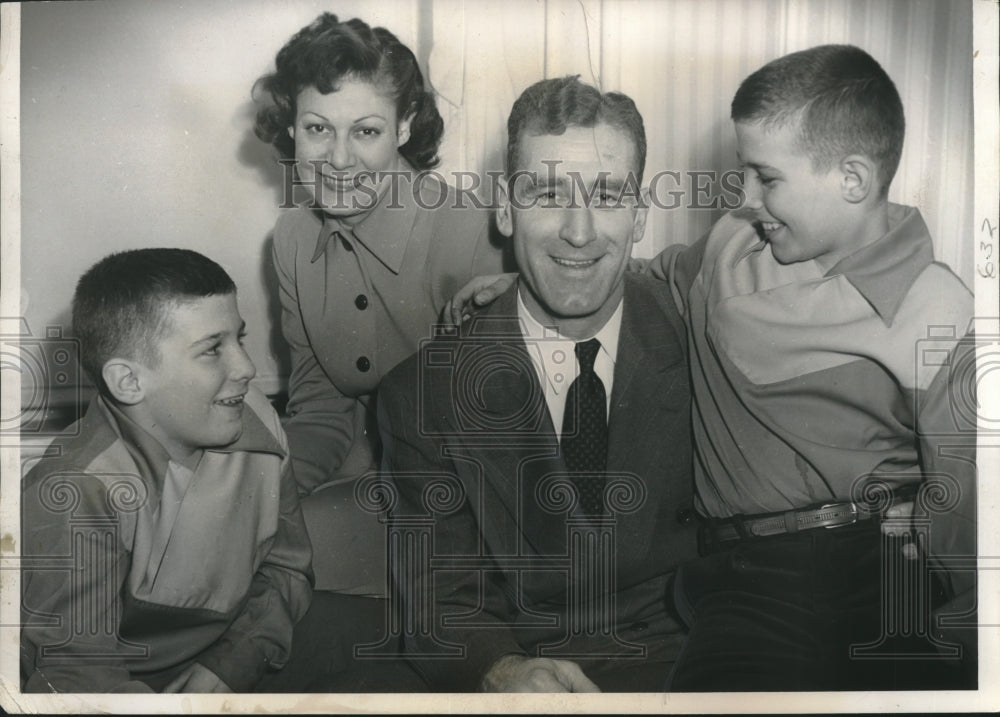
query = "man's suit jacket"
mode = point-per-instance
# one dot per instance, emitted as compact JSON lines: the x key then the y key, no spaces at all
{"x":470,"y":449}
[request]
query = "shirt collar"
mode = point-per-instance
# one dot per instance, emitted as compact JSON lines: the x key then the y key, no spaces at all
{"x":884,"y":270}
{"x":533,"y":330}
{"x":386,"y":229}
{"x":152,"y":458}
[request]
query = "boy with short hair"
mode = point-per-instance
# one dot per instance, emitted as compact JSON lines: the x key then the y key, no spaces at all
{"x":172,"y":499}
{"x":806,"y":310}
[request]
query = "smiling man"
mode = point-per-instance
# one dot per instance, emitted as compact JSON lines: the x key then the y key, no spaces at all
{"x":557,"y":421}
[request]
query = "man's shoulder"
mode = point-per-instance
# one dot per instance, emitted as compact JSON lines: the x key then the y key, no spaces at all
{"x":493,"y":324}
{"x":647,"y":288}
{"x":652,"y":300}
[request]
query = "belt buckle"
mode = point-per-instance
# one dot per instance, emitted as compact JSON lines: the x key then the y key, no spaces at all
{"x":854,"y":514}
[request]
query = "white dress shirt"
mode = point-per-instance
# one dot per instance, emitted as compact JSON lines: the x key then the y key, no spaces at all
{"x":555,"y":362}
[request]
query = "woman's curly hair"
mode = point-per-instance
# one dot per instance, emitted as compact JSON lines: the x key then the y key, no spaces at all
{"x":325,"y":52}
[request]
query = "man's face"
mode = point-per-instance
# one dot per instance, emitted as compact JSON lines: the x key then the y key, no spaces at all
{"x":193,"y":396}
{"x":572,"y":252}
{"x":801,"y":211}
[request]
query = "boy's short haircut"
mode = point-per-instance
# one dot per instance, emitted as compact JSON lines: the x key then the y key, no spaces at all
{"x":846,"y":101}
{"x":551,"y":106}
{"x":122,"y":303}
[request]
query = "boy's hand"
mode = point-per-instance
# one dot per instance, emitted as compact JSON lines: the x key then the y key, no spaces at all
{"x":197,"y":678}
{"x":899,"y":511}
{"x":517,"y":673}
{"x":478,"y":292}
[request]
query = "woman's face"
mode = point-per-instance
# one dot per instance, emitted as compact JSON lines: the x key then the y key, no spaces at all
{"x":344,"y":143}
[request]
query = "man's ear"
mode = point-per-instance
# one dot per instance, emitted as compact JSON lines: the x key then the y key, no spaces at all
{"x":858,"y":178}
{"x":122,"y":377}
{"x":639,"y":222}
{"x":291,"y":132}
{"x":505,"y":220}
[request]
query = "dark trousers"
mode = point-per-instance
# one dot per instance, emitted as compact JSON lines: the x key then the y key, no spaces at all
{"x":784,"y":612}
{"x":324,"y":655}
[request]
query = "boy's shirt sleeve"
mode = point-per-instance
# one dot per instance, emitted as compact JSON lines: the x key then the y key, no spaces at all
{"x":260,"y":638}
{"x":69,"y":640}
{"x":946,"y":426}
{"x":678,"y":265}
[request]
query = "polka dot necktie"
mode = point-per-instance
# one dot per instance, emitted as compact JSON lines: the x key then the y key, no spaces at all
{"x":585,"y":430}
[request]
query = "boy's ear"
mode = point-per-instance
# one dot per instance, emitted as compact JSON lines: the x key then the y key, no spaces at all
{"x":505,"y":221}
{"x":858,"y":178}
{"x":123,"y":381}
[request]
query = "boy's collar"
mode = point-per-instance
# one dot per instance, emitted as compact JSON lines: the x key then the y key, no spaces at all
{"x":256,"y":438}
{"x":884,"y":270}
{"x":152,"y":458}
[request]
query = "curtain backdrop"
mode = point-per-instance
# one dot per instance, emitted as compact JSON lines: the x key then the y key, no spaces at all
{"x":136,"y":119}
{"x":682,"y":60}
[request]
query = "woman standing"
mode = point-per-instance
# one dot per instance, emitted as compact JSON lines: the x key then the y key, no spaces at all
{"x":365,"y":270}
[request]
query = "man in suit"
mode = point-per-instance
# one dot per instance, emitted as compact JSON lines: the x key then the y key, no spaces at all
{"x":540,"y":455}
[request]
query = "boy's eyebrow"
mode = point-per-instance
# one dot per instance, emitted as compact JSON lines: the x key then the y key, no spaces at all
{"x":753,"y":165}
{"x":212,"y":338}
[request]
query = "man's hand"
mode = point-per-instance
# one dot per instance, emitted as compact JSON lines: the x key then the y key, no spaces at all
{"x":477,"y":293}
{"x":517,"y":673}
{"x":197,"y":678}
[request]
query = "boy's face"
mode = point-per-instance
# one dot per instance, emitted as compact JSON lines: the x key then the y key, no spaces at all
{"x":802,"y":212}
{"x":193,"y":397}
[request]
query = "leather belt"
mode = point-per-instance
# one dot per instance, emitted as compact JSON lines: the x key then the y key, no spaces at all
{"x":831,"y":515}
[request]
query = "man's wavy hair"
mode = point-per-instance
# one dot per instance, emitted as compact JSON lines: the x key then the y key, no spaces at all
{"x":551,"y":106}
{"x":844,"y":100}
{"x":328,"y":51}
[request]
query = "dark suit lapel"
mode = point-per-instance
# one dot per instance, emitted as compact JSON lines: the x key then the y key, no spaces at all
{"x":504,"y":427}
{"x":649,"y":363}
